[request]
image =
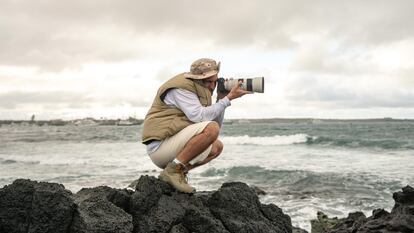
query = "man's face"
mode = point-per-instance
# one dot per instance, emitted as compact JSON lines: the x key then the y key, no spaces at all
{"x":210,"y":83}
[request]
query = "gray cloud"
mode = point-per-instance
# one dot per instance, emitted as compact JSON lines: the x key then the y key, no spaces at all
{"x":58,"y":34}
{"x":322,"y":94}
{"x":115,"y":101}
{"x":164,"y":73}
{"x":59,"y":99}
{"x":407,"y":76}
{"x":12,"y":100}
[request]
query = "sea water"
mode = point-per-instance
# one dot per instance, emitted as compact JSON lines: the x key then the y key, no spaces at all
{"x":332,"y":166}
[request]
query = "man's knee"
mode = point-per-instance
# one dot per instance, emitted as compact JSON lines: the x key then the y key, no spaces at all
{"x":220,"y":146}
{"x":217,"y":148}
{"x":212,"y":130}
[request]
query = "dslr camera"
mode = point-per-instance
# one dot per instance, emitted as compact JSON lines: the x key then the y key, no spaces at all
{"x":248,"y":84}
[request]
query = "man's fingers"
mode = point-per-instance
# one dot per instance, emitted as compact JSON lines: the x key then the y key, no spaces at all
{"x":245,"y":92}
{"x":236,"y":87}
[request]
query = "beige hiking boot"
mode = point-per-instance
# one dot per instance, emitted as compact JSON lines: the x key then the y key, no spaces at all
{"x":173,"y":174}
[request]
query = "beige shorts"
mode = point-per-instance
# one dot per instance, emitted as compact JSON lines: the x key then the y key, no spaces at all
{"x":171,"y":146}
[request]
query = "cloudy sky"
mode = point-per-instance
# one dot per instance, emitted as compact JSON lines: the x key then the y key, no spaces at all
{"x":106,"y":58}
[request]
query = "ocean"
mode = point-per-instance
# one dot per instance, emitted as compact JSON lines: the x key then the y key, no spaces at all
{"x":304,"y":166}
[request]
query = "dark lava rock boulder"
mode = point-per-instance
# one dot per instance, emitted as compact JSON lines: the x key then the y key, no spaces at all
{"x":402,"y":214}
{"x":239,"y":209}
{"x":118,"y":197}
{"x":154,"y":206}
{"x":102,"y":209}
{"x":235,"y":207}
{"x":100,"y":216}
{"x":30,"y":206}
{"x":157,"y":207}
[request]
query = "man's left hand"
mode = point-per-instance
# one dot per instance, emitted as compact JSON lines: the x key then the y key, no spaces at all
{"x":221,"y":95}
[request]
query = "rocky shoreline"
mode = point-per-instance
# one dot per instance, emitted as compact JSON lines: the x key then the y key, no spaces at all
{"x":400,"y":219}
{"x":154,"y":206}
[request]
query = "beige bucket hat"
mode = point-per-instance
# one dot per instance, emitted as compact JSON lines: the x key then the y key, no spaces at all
{"x":203,"y":68}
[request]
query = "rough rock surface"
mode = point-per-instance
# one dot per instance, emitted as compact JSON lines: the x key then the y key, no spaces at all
{"x":401,"y":218}
{"x":102,"y":209}
{"x":29,"y":206}
{"x":154,"y":206}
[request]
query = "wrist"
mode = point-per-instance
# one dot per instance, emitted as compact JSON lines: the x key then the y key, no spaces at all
{"x":230,"y":96}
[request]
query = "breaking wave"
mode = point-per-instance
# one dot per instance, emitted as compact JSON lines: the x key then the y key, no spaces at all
{"x":361,"y":143}
{"x":301,"y":138}
{"x":271,"y":141}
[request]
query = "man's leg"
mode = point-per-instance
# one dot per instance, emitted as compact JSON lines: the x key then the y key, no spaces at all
{"x":199,"y":143}
{"x":214,"y":153}
{"x":191,"y":142}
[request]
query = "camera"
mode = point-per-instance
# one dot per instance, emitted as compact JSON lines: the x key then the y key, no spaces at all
{"x":248,"y":84}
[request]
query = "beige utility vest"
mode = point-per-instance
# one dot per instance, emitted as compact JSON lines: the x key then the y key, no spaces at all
{"x":163,"y":121}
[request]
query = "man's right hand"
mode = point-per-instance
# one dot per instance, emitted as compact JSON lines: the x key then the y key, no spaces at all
{"x":237,"y":92}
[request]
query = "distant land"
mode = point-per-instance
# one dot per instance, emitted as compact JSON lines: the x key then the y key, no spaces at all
{"x":77,"y":122}
{"x":133,"y":121}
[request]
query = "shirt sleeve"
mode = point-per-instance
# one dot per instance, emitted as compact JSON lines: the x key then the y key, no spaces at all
{"x":220,"y":118}
{"x":189,"y":103}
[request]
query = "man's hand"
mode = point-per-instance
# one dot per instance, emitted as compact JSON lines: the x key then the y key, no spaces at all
{"x":221,"y":95}
{"x":237,"y":92}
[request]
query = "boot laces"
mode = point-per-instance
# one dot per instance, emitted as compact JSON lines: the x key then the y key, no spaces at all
{"x":183,"y":177}
{"x":182,"y":174}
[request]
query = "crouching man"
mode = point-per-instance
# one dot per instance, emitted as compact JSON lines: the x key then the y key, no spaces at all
{"x":182,"y":126}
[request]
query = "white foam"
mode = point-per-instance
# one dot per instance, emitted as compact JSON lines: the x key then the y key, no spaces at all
{"x":271,"y":141}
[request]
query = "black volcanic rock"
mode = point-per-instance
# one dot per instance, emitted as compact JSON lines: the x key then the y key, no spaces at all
{"x":29,"y":206}
{"x":118,"y":197}
{"x":99,"y":215}
{"x":401,"y":218}
{"x":402,"y":214}
{"x":154,"y":206}
{"x":239,"y":209}
{"x":157,"y":207}
{"x":102,"y":209}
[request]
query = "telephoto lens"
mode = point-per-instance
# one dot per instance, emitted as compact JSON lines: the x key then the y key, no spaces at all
{"x":248,"y":84}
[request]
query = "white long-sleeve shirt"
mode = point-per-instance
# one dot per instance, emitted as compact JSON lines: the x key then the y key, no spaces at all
{"x":189,"y":103}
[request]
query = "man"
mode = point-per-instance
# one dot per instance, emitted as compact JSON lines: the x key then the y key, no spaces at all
{"x":182,"y":126}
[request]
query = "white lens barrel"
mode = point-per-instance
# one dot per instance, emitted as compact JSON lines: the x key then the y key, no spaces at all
{"x":248,"y":84}
{"x":258,"y":84}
